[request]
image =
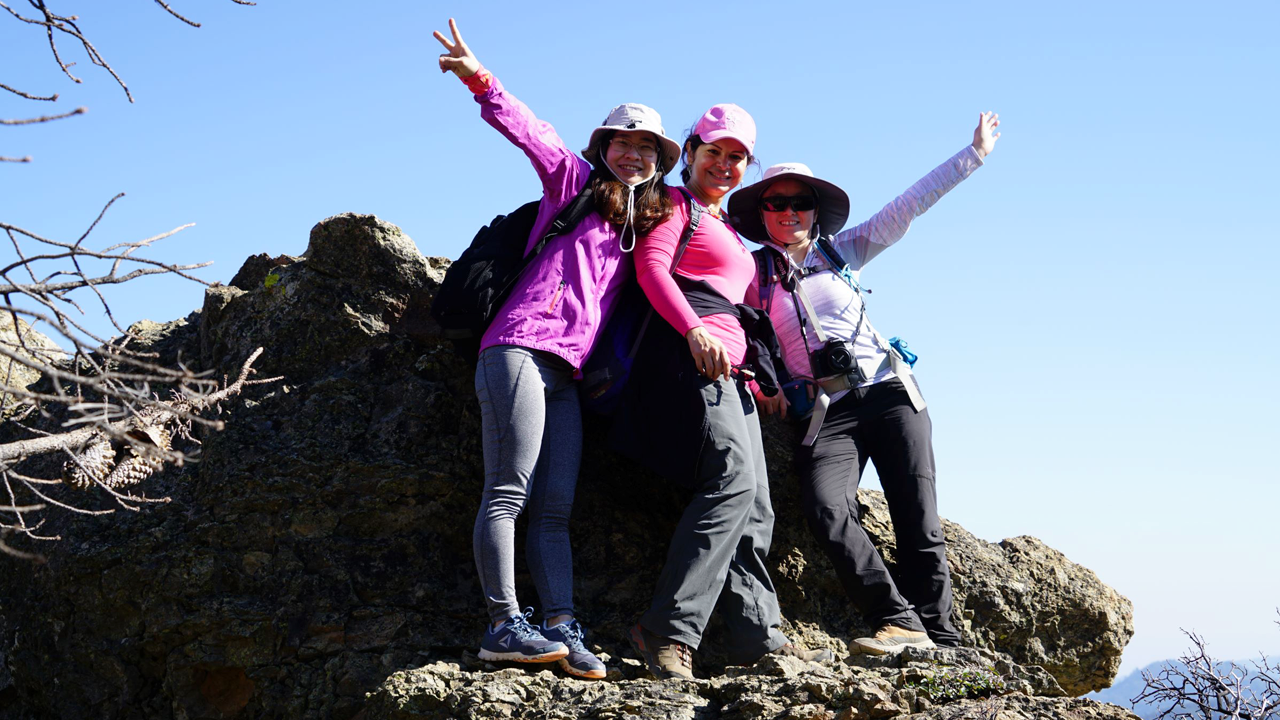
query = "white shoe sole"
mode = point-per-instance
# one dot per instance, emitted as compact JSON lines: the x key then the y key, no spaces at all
{"x":520,"y":657}
{"x":870,"y":647}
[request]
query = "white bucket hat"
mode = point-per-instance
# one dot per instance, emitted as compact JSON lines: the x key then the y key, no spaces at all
{"x":634,"y":116}
{"x":744,"y":205}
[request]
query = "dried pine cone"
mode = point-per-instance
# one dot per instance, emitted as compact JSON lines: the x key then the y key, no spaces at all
{"x":132,"y":471}
{"x":95,"y":464}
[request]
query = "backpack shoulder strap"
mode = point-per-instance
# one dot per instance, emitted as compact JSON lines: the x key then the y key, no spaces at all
{"x":764,"y":277}
{"x":573,"y":213}
{"x":695,"y":216}
{"x":833,"y":257}
{"x":838,"y":264}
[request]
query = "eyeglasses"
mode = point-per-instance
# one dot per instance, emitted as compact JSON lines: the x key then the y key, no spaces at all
{"x":644,"y":150}
{"x":780,"y":203}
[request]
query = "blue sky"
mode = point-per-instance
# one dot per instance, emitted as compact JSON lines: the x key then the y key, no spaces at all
{"x":1094,"y":308}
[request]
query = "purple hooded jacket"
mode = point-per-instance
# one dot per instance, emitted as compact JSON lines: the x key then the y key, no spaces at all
{"x":569,"y":290}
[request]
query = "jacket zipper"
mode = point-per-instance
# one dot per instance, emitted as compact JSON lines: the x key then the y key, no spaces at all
{"x":555,"y":300}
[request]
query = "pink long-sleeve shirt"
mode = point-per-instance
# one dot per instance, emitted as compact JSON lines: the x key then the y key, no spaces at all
{"x":715,"y":254}
{"x":568,"y":292}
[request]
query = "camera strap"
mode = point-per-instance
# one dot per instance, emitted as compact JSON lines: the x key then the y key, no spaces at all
{"x":897,"y":363}
{"x":823,"y":400}
{"x":829,"y":386}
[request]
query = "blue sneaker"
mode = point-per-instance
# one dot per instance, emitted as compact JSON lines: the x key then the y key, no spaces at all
{"x":580,"y":662}
{"x":515,"y":640}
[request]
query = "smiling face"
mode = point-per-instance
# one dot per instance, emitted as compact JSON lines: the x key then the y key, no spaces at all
{"x":716,"y":168}
{"x":632,"y":155}
{"x":788,"y":227}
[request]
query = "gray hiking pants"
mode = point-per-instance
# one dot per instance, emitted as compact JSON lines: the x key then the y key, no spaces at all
{"x":532,"y":427}
{"x":717,"y":554}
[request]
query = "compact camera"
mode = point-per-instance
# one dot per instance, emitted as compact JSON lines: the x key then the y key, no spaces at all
{"x":835,"y":357}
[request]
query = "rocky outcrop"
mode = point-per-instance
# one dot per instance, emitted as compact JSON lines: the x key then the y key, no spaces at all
{"x":913,"y":685}
{"x":34,"y":349}
{"x":321,"y":549}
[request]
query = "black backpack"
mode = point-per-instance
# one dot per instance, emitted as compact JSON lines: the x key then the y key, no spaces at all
{"x":607,"y":369}
{"x":478,"y":282}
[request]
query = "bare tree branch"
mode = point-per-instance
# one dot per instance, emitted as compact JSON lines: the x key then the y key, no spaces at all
{"x":44,"y":118}
{"x":19,"y":93}
{"x":1199,"y":687}
{"x":172,"y":12}
{"x":96,"y":402}
{"x":65,"y":27}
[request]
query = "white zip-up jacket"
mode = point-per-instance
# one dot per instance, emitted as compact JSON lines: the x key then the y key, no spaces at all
{"x":839,"y":306}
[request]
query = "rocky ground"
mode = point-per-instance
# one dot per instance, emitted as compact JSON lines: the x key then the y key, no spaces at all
{"x":316,"y":563}
{"x":942,"y":684}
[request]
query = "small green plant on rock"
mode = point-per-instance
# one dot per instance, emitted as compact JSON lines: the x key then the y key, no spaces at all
{"x":950,"y":684}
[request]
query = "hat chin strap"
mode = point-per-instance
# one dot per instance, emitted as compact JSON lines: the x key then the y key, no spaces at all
{"x":815,"y":231}
{"x":631,"y":205}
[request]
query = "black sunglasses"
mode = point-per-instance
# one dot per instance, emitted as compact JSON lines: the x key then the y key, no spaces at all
{"x":780,"y":203}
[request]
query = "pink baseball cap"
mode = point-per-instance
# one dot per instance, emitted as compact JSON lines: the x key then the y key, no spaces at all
{"x":727,"y":121}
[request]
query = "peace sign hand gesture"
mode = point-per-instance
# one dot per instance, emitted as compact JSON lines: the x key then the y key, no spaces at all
{"x":459,"y":59}
{"x":984,"y":140}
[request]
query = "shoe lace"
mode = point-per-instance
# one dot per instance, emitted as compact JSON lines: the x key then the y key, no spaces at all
{"x":684,"y":654}
{"x":573,"y":636}
{"x":520,"y":626}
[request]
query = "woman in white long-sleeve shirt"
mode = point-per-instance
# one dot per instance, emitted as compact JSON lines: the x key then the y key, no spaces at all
{"x":868,"y":404}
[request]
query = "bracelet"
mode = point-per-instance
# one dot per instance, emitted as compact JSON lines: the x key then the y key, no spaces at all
{"x":479,"y":82}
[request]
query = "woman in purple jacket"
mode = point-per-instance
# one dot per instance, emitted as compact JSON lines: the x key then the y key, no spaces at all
{"x":532,"y":353}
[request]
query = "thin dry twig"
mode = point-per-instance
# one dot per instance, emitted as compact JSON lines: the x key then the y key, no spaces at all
{"x":29,"y":96}
{"x":44,"y":118}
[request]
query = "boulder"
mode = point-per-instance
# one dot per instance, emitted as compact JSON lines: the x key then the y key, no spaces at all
{"x":320,"y":550}
{"x":33,"y":350}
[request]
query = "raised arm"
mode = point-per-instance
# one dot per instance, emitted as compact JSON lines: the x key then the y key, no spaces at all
{"x":560,"y":170}
{"x":860,"y":244}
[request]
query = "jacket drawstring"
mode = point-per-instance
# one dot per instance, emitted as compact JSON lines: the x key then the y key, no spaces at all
{"x":631,"y":208}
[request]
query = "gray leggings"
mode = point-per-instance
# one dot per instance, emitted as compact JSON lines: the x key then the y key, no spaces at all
{"x":532,"y":447}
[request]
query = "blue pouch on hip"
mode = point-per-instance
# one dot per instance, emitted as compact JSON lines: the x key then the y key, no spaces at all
{"x":800,"y":395}
{"x":900,"y":345}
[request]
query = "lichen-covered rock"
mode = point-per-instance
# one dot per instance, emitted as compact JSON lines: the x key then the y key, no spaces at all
{"x":321,"y":548}
{"x":34,"y":348}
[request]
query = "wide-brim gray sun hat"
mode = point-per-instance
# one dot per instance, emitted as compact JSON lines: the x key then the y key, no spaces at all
{"x":642,"y":118}
{"x":744,"y":205}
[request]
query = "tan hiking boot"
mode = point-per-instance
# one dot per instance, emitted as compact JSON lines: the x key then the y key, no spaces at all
{"x":664,"y":657}
{"x":795,"y":651}
{"x":891,"y":639}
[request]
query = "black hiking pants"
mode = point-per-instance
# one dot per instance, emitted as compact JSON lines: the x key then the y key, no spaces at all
{"x":878,"y":423}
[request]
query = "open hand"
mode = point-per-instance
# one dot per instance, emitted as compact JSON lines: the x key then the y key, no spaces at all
{"x":709,"y":355}
{"x":984,"y":137}
{"x":459,"y":59}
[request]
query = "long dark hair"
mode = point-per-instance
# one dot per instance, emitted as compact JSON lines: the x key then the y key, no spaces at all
{"x":652,"y":204}
{"x":691,"y":145}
